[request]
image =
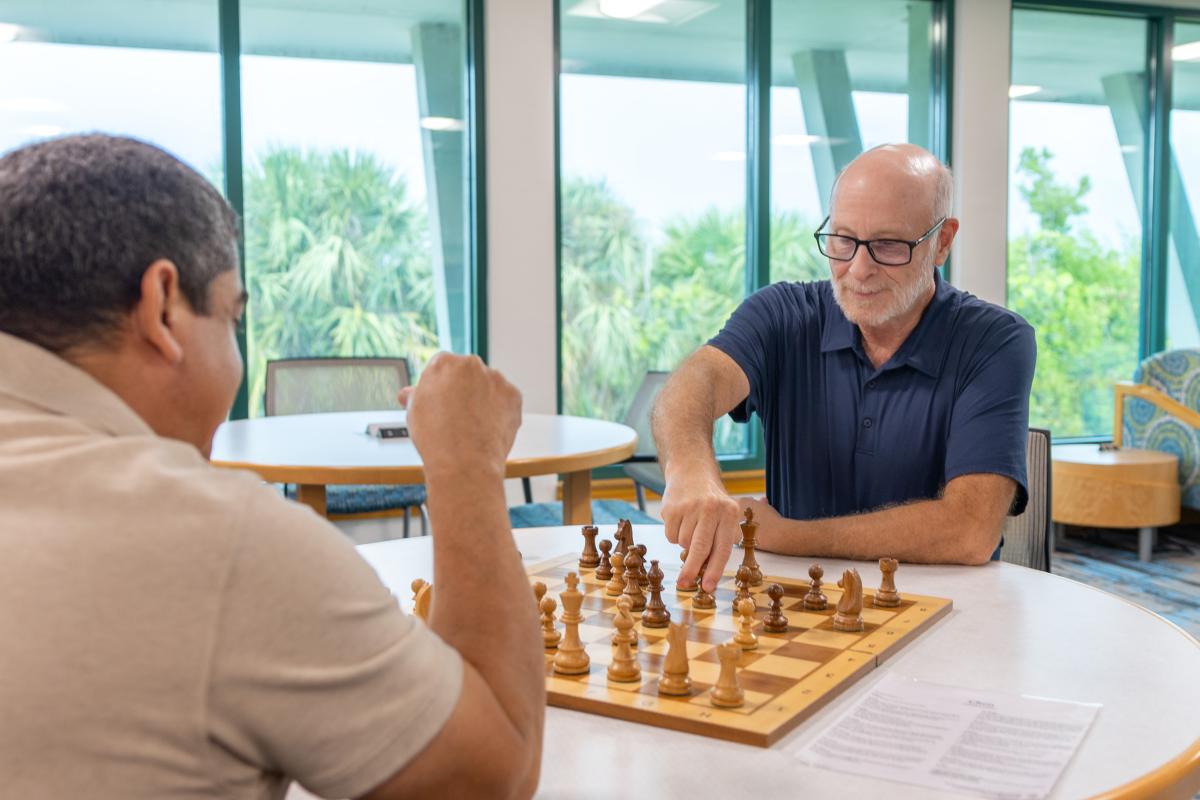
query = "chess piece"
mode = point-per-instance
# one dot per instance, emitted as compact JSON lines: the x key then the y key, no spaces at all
{"x":742,"y":580}
{"x":745,"y":636}
{"x":887,"y":596}
{"x":656,"y":614}
{"x":675,"y":680}
{"x":572,"y":657}
{"x":624,"y":537}
{"x":775,"y":621}
{"x":617,"y":584}
{"x":550,"y":635}
{"x":703,"y":600}
{"x":422,"y":598}
{"x":539,"y":591}
{"x":680,"y":586}
{"x":815,"y":600}
{"x":604,"y":572}
{"x":749,"y":534}
{"x":590,"y":558}
{"x":633,"y":586}
{"x":624,"y":667}
{"x":849,"y":609}
{"x":727,"y":693}
{"x":643,"y":578}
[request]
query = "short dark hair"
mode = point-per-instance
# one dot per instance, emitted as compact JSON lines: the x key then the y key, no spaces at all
{"x":82,"y":217}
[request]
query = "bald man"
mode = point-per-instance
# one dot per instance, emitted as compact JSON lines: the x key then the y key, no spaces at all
{"x":894,"y":407}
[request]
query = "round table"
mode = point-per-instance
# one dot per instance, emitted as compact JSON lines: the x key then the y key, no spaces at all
{"x":1121,"y":488}
{"x":314,"y":450}
{"x":1012,"y":629}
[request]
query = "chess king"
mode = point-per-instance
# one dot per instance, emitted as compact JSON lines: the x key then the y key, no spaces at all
{"x":883,"y":358}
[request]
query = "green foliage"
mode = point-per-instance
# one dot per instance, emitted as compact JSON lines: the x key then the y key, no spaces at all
{"x":1081,"y":297}
{"x":337,"y":262}
{"x":629,"y":307}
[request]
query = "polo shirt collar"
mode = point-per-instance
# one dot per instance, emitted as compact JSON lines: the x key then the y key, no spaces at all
{"x":925,"y":348}
{"x":40,"y":378}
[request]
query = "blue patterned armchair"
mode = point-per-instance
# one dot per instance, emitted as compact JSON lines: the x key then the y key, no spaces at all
{"x":1162,"y":412}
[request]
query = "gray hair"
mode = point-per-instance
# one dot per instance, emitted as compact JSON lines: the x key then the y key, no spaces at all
{"x":81,"y":219}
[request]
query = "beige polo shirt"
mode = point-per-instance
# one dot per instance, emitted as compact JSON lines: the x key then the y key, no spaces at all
{"x":168,"y":629}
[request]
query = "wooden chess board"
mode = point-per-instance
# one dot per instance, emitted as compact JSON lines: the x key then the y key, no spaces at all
{"x":786,"y":679}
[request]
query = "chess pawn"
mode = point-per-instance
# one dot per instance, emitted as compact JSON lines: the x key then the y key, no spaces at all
{"x":643,"y":578}
{"x":887,"y":596}
{"x":422,"y":598}
{"x":775,"y":621}
{"x":749,"y":538}
{"x":675,"y":680}
{"x":656,"y":614}
{"x":815,"y":600}
{"x":745,"y":636}
{"x":604,"y":572}
{"x":849,"y":609}
{"x":703,"y":600}
{"x":633,"y":586}
{"x":572,"y":657}
{"x":742,"y":580}
{"x":680,"y":586}
{"x":590,"y":558}
{"x":539,"y":591}
{"x":727,"y":693}
{"x":617,"y":584}
{"x":550,"y":636}
{"x":624,"y":667}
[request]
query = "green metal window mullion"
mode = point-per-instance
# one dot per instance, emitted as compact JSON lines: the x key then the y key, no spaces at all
{"x":942,"y":39}
{"x":230,"y":49}
{"x":1156,"y":222}
{"x":477,"y":174}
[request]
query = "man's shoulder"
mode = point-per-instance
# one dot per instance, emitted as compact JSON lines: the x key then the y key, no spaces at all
{"x":795,"y":299}
{"x":976,"y":315}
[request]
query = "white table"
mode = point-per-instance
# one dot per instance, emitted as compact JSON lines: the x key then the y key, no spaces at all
{"x":1012,"y":629}
{"x":314,"y":450}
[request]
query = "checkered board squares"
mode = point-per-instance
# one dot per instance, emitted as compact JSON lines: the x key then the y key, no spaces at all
{"x":786,"y":679}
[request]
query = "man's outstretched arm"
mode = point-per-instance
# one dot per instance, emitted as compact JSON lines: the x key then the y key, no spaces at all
{"x":698,"y":513}
{"x":963,"y":526}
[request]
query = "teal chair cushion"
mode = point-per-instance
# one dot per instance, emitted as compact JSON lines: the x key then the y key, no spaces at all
{"x":604,"y":512}
{"x":1175,"y":373}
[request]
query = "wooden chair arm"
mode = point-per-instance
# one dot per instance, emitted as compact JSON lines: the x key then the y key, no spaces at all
{"x":1150,"y":395}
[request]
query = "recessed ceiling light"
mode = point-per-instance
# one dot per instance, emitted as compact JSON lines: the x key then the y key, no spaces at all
{"x":625,"y":9}
{"x":1017,"y":90}
{"x":9,"y":32}
{"x":441,"y":124}
{"x":1186,"y":52}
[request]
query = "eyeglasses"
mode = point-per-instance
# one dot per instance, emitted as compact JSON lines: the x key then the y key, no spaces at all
{"x":888,"y":252}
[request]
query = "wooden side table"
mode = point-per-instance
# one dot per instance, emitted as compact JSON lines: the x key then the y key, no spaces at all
{"x":1124,"y":488}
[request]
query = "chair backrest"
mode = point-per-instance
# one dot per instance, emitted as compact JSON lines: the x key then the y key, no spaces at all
{"x":1027,"y":535}
{"x":638,"y":415}
{"x":319,"y":385}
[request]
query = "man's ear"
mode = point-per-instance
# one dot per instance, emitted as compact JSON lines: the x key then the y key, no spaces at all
{"x":156,"y":313}
{"x":945,"y":238}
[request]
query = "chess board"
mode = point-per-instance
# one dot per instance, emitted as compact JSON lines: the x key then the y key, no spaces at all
{"x":786,"y":679}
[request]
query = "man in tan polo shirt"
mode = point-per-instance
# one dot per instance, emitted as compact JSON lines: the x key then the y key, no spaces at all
{"x":173,"y":630}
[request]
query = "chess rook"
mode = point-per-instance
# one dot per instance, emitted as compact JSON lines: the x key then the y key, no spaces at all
{"x":727,"y":693}
{"x":675,"y":680}
{"x":887,"y":596}
{"x":590,"y":558}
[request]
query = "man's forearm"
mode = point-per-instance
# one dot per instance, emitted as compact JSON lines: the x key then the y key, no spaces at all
{"x":483,"y":605}
{"x":683,"y":427}
{"x":963,"y":529}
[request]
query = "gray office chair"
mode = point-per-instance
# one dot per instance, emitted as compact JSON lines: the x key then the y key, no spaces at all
{"x":322,"y":385}
{"x":1027,"y":536}
{"x":643,"y":467}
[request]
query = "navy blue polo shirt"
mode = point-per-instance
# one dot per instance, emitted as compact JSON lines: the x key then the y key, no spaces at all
{"x":843,"y":437}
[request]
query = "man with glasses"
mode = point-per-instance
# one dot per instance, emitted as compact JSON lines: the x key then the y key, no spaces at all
{"x":894,"y":406}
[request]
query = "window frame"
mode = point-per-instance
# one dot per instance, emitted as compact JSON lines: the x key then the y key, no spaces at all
{"x":230,"y":53}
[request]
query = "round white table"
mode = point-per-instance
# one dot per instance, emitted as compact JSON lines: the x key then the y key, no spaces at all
{"x":314,"y":450}
{"x":1012,"y":629}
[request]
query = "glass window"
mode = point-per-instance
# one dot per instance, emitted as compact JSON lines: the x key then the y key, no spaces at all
{"x":844,"y":78}
{"x":356,"y":181}
{"x":138,"y":67}
{"x":1183,"y":286}
{"x":652,"y":192}
{"x":1075,"y":232}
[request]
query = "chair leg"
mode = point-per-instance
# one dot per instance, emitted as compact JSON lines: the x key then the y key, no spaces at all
{"x":527,"y":487}
{"x":406,"y":515}
{"x":424,"y":521}
{"x":641,"y":496}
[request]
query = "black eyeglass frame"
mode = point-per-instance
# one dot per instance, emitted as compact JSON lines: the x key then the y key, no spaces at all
{"x":912,"y":245}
